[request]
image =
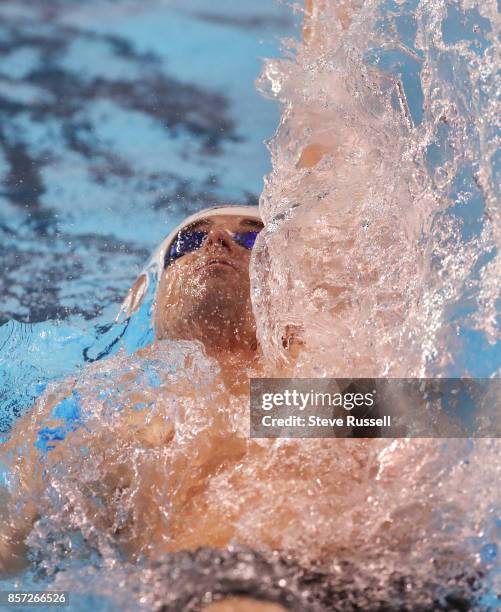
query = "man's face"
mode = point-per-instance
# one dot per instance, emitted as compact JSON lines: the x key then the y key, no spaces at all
{"x":204,"y":290}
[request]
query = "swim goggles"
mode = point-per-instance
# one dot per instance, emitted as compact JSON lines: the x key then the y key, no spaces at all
{"x":188,"y":241}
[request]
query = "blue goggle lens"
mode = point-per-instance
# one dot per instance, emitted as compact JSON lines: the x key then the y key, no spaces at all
{"x":245,"y":239}
{"x":187,"y":242}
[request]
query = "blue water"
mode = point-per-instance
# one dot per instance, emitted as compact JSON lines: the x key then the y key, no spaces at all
{"x":118,"y":120}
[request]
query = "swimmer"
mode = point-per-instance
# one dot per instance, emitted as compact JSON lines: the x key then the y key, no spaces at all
{"x":202,"y":294}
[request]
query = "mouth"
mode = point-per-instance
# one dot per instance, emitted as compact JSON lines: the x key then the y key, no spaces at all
{"x":218,"y":262}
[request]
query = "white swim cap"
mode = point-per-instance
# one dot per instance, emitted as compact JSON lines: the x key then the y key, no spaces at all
{"x":138,"y":290}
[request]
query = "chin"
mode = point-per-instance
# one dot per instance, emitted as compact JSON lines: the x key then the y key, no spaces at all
{"x":222,"y":296}
{"x":219,"y":271}
{"x":224,"y":280}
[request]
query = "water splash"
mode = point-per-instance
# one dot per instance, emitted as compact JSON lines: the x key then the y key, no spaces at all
{"x":383,"y":194}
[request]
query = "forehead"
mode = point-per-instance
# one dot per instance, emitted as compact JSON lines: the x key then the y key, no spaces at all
{"x":229,"y":222}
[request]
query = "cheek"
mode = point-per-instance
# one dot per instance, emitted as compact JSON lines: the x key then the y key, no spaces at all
{"x":177,"y":279}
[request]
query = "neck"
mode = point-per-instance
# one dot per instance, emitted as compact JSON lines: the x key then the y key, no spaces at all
{"x":236,"y":366}
{"x":223,"y":329}
{"x":234,"y":347}
{"x":231,"y":342}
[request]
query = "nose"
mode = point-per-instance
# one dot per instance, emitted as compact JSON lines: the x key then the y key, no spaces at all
{"x":219,"y":237}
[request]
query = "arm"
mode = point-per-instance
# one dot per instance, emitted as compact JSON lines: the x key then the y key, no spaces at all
{"x":334,"y":158}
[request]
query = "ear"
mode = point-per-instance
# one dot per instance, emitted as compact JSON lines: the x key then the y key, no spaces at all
{"x":134,"y":297}
{"x":292,"y":339}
